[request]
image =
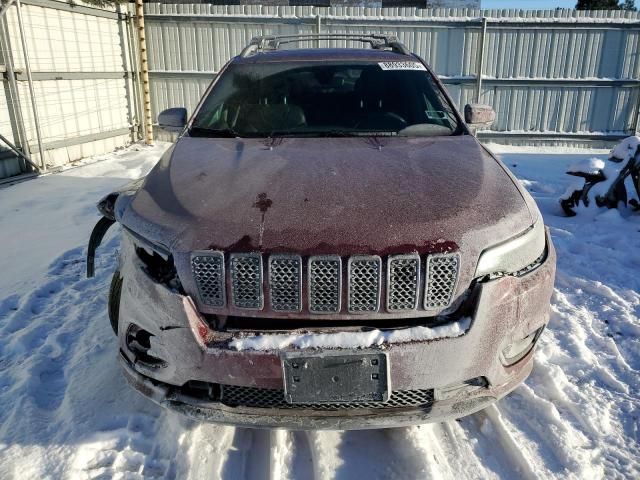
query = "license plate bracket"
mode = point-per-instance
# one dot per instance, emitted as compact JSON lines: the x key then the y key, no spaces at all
{"x":335,"y":377}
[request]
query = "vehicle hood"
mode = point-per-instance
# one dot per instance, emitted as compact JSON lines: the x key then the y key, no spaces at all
{"x":342,"y":196}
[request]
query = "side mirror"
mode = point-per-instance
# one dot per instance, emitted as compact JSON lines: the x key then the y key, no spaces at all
{"x":477,"y":115}
{"x":173,"y":119}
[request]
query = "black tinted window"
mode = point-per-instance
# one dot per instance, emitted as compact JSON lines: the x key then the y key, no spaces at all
{"x":326,"y":99}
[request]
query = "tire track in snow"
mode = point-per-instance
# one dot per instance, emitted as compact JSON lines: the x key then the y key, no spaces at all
{"x":495,"y":443}
{"x":208,"y":452}
{"x":370,"y":454}
{"x":221,"y":452}
{"x":258,"y":454}
{"x":302,"y":467}
{"x":420,"y":448}
{"x":324,"y":446}
{"x":280,"y":454}
{"x":441,"y":450}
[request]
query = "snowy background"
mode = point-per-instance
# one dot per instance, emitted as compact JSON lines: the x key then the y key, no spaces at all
{"x":66,"y":411}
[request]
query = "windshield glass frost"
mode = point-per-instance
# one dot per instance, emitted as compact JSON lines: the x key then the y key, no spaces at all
{"x":321,"y":99}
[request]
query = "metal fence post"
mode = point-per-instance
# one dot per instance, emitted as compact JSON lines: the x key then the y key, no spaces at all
{"x":5,"y":7}
{"x":480,"y":62}
{"x":144,"y":71}
{"x":127,"y":59}
{"x":636,"y":122}
{"x":318,"y":28}
{"x":14,"y":108}
{"x":135,"y":59}
{"x":27,"y":67}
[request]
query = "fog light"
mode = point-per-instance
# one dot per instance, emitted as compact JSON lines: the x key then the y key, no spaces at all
{"x":139,"y":343}
{"x":519,"y":349}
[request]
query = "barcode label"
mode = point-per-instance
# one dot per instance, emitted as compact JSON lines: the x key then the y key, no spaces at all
{"x":402,"y":66}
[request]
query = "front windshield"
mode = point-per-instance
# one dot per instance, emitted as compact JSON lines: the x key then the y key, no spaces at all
{"x":325,"y":99}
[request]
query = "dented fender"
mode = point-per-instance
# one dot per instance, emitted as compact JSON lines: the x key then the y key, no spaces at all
{"x":97,"y":234}
{"x":110,"y":207}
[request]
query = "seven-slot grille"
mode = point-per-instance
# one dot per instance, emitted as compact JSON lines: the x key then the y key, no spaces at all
{"x":364,"y":289}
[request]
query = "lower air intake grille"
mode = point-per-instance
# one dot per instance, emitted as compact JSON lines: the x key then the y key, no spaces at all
{"x":208,"y":271}
{"x":441,"y":278}
{"x":252,"y":397}
{"x":325,"y":275}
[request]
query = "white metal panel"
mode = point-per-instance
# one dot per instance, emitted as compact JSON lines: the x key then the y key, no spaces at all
{"x":167,"y":92}
{"x":527,"y":46}
{"x":71,"y":108}
{"x":5,"y":122}
{"x":189,"y":43}
{"x":60,"y":41}
{"x":72,"y":44}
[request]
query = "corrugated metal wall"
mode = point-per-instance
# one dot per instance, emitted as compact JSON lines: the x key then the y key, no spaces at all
{"x":551,"y":75}
{"x":554,"y":77}
{"x":79,"y":58}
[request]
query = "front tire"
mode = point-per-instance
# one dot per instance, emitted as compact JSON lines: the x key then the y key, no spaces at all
{"x":114,"y":300}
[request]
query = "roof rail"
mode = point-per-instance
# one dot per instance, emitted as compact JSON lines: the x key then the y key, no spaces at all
{"x":273,"y":42}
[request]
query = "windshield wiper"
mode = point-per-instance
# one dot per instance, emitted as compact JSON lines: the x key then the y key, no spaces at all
{"x":308,"y":133}
{"x":328,"y":133}
{"x":196,"y":131}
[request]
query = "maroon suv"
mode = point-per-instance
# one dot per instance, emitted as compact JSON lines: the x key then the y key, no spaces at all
{"x":327,"y":245}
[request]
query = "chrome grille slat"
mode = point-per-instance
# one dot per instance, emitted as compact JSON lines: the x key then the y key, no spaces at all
{"x":253,"y":397}
{"x":441,"y":278}
{"x":209,"y":274}
{"x":403,"y":280}
{"x":246,"y":280}
{"x":325,"y":283}
{"x":364,"y":283}
{"x":285,"y":283}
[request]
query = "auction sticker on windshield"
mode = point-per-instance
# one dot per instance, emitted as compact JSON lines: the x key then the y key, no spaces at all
{"x":402,"y":66}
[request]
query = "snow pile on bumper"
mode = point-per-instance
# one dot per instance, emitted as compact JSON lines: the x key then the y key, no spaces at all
{"x":350,"y":339}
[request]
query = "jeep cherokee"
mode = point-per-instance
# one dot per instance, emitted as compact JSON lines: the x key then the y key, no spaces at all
{"x":327,"y":245}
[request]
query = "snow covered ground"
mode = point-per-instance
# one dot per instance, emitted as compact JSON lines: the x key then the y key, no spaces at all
{"x":66,"y":412}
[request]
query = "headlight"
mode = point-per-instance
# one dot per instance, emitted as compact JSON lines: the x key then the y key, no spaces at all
{"x":514,"y":255}
{"x":156,"y":261}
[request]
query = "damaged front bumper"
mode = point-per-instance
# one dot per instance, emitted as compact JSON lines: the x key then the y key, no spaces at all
{"x":457,"y":375}
{"x":469,"y":399}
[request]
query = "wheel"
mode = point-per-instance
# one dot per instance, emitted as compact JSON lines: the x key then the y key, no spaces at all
{"x":114,"y":300}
